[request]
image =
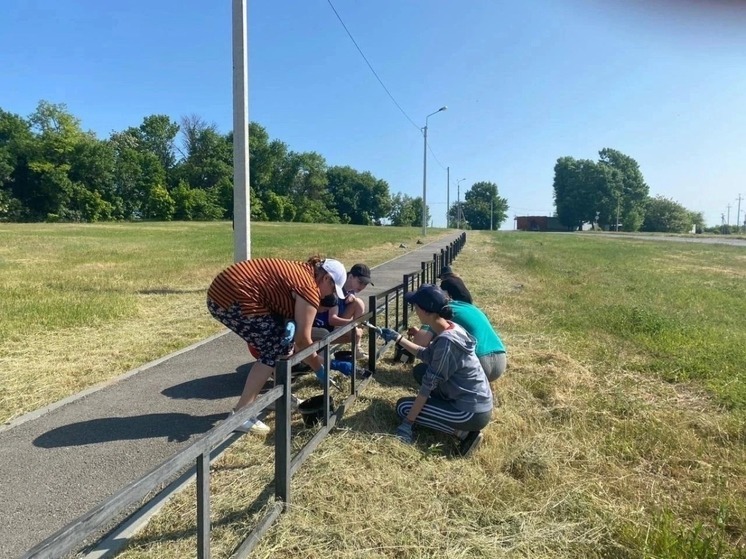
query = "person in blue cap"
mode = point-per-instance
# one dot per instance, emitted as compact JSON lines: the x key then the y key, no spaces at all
{"x":454,"y":395}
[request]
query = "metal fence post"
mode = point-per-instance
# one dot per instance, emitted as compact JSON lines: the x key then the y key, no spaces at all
{"x":282,"y":435}
{"x":372,"y":347}
{"x":203,"y":505}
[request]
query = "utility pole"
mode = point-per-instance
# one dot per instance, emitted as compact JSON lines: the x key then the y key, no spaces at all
{"x":458,"y":202}
{"x":738,"y":215}
{"x":492,"y":210}
{"x":618,"y":200}
{"x":448,"y":197}
{"x":241,"y":198}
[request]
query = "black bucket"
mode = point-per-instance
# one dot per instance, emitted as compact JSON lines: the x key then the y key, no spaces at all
{"x":312,"y":409}
{"x":343,"y":355}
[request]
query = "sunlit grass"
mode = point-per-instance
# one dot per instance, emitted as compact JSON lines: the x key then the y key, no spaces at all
{"x":596,"y":451}
{"x":621,"y":430}
{"x":82,"y":304}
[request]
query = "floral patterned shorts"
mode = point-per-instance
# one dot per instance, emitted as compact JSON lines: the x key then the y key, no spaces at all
{"x":263,"y":332}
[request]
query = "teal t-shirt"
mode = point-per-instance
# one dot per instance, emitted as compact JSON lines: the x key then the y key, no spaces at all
{"x":474,"y":321}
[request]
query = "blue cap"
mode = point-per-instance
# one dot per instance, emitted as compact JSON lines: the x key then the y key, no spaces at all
{"x":429,"y":297}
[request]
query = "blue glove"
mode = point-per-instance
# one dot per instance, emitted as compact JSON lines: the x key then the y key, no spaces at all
{"x":404,"y":433}
{"x":289,"y":334}
{"x":389,"y":335}
{"x":344,"y":367}
{"x":321,"y":375}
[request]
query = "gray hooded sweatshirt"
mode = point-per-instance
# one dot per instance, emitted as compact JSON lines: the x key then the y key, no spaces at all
{"x":453,"y":368}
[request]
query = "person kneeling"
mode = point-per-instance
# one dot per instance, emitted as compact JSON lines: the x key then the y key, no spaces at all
{"x":455,"y":395}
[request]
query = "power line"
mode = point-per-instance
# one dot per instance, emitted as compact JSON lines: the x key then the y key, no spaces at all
{"x":370,"y":66}
{"x":434,"y":157}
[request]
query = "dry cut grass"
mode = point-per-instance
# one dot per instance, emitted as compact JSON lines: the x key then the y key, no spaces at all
{"x":584,"y":458}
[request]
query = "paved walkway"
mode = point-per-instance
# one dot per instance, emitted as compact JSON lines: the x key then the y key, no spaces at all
{"x":58,"y":463}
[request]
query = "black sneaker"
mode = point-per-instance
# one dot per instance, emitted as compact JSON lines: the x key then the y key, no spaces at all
{"x":470,"y":443}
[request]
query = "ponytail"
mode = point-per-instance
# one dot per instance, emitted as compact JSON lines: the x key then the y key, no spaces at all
{"x":446,"y":312}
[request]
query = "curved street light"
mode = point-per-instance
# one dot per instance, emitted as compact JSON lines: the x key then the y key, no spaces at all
{"x":424,"y":173}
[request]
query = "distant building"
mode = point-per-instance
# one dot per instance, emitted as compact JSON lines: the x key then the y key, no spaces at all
{"x":539,"y":223}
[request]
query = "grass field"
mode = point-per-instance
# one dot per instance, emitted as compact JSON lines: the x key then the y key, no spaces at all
{"x":621,"y":431}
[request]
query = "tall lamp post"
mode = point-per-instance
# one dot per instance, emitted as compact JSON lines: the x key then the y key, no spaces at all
{"x":424,"y":174}
{"x":241,"y":200}
{"x":458,"y":202}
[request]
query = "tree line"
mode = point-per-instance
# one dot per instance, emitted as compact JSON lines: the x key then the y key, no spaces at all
{"x":53,"y":170}
{"x":611,"y":193}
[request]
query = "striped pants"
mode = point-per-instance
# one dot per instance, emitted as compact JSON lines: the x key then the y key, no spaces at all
{"x":440,"y":415}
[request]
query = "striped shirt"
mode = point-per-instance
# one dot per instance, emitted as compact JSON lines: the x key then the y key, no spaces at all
{"x":265,"y":286}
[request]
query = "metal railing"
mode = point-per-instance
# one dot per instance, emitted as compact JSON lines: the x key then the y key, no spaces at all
{"x":389,"y":307}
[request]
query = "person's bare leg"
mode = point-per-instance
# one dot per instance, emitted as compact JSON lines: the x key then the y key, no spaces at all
{"x":258,"y":377}
{"x":354,"y":311}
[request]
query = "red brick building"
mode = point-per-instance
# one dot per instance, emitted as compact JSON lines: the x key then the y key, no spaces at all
{"x":538,"y":223}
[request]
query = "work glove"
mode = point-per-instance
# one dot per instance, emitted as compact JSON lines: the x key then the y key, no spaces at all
{"x":321,"y":376}
{"x":344,"y":367}
{"x":289,"y":335}
{"x":404,"y":433}
{"x":389,"y":335}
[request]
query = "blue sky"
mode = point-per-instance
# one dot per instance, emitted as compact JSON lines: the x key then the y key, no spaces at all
{"x":524,"y":82}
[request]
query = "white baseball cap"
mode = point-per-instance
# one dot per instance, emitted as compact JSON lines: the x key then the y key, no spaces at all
{"x":338,"y":273}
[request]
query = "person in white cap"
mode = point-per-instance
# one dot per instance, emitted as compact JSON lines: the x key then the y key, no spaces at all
{"x":256,"y":298}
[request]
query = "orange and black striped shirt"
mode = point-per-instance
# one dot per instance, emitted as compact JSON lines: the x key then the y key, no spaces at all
{"x":265,"y":286}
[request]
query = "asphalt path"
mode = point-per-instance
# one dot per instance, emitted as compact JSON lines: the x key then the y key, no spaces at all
{"x":61,"y":461}
{"x":724,"y":240}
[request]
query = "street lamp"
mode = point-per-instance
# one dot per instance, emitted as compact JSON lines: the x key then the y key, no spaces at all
{"x":424,"y":174}
{"x":458,"y":203}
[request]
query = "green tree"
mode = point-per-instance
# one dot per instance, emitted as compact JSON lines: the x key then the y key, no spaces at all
{"x":208,"y":155}
{"x":667,"y":216}
{"x":266,"y":162}
{"x":137,"y":172}
{"x":15,"y":141}
{"x":93,"y":170}
{"x":45,"y":188}
{"x":156,"y":135}
{"x":481,"y":199}
{"x":406,"y":211}
{"x":698,"y":221}
{"x":579,"y":186}
{"x":304,"y":180}
{"x":626,"y":188}
{"x":588,"y":192}
{"x":358,"y":198}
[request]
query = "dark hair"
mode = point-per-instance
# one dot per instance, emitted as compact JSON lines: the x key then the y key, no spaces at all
{"x":330,"y":300}
{"x":446,"y":312}
{"x":315,"y":263}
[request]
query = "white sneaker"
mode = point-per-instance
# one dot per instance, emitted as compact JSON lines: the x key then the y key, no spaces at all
{"x":253,"y":425}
